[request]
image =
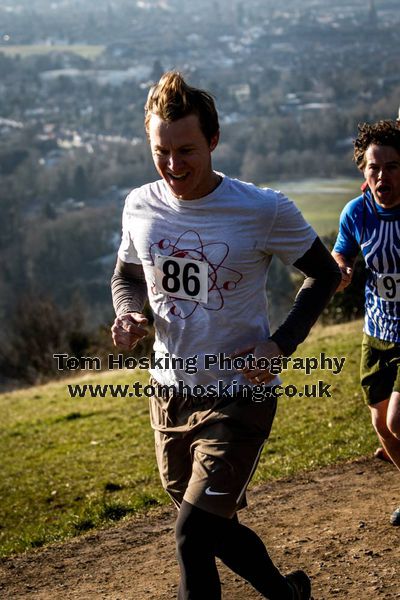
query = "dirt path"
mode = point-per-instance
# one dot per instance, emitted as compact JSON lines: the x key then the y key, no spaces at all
{"x":332,"y":522}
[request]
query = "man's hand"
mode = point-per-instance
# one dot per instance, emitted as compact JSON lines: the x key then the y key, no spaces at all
{"x":345,"y":265}
{"x":128,"y":330}
{"x":347,"y":276}
{"x":268,"y":349}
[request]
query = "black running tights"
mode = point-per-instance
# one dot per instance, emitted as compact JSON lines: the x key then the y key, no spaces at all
{"x":202,"y":536}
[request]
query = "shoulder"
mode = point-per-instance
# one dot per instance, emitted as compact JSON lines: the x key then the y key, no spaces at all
{"x":353,"y":208}
{"x":246,"y":187}
{"x":351,"y":228}
{"x":140,"y":199}
{"x":253,"y":195}
{"x":274,"y":204}
{"x":145,"y":191}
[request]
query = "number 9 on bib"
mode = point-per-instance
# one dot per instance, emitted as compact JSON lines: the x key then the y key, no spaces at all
{"x":388,"y":285}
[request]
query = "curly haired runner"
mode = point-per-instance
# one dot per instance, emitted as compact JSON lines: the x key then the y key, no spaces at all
{"x":371,"y":223}
{"x":199,"y":244}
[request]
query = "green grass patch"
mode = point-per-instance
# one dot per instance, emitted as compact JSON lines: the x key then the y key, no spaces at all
{"x":86,"y":51}
{"x":69,"y":465}
{"x":321,"y":200}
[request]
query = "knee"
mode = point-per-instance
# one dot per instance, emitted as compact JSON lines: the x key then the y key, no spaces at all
{"x":393,"y":425}
{"x":379,"y":422}
{"x":182,"y":535}
{"x":393,"y":415}
{"x":183,"y":540}
{"x":188,"y":533}
{"x":195,"y":530}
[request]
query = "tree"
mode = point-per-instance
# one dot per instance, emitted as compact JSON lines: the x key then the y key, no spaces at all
{"x":38,"y":330}
{"x":80,"y":185}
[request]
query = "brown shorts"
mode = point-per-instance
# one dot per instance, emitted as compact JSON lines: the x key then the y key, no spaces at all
{"x":208,"y":448}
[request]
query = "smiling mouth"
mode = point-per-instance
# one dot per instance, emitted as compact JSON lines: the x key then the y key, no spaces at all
{"x":177,"y":177}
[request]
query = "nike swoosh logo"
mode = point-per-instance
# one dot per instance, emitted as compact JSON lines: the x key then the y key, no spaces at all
{"x":210,"y":492}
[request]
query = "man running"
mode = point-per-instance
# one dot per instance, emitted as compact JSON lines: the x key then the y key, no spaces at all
{"x":198,"y":245}
{"x":371,"y":223}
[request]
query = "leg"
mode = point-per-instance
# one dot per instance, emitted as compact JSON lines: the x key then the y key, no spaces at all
{"x":379,"y":377}
{"x":243,"y":552}
{"x":195,"y":545}
{"x":393,"y":424}
{"x":201,"y":536}
{"x":381,"y":453}
{"x":216,"y":490}
{"x":393,"y":415}
{"x":379,"y":415}
{"x":172,"y":446}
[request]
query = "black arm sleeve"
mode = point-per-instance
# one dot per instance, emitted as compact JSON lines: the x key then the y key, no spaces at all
{"x":128,"y":288}
{"x":322,"y":278}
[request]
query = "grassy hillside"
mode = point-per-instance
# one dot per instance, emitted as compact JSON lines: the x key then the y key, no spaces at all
{"x":85,"y":51}
{"x":321,"y":200}
{"x":70,"y":465}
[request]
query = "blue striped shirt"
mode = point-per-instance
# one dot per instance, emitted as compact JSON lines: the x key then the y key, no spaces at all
{"x":376,"y":231}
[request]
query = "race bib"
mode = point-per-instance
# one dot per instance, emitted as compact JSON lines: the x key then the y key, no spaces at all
{"x":182,"y":277}
{"x":388,"y":285}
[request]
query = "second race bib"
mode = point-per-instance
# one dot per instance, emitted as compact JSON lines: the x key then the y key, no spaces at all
{"x":388,"y":285}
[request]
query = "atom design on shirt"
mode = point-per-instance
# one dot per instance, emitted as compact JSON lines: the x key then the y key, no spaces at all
{"x":221,"y":279}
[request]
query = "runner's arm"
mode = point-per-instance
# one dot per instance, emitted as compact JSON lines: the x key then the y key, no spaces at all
{"x":346,"y":264}
{"x":128,"y":288}
{"x":322,"y":278}
{"x":129,"y":293}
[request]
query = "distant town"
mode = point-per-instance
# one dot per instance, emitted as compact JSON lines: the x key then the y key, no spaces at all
{"x":303,"y":62}
{"x":291,"y":83}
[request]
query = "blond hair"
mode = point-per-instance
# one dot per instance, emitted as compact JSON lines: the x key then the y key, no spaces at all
{"x":172,"y":99}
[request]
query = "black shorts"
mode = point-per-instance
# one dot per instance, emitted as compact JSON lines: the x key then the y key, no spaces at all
{"x":379,"y":369}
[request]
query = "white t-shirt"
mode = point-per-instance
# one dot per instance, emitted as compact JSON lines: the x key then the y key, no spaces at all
{"x":206,"y":263}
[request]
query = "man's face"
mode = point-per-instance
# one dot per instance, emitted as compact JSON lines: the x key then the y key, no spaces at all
{"x":382,"y":173}
{"x":182,"y":156}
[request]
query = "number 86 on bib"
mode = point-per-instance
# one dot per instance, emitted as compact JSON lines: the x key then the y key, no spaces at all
{"x":184,"y":278}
